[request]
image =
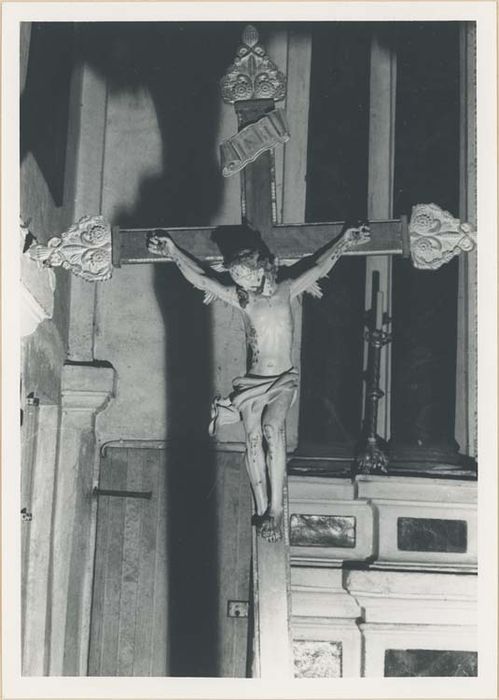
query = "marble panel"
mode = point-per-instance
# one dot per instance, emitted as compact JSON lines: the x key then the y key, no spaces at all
{"x":322,"y":530}
{"x":317,"y":659}
{"x":430,"y":662}
{"x":431,"y":535}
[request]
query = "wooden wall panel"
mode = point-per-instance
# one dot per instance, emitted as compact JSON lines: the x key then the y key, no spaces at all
{"x":234,"y":537}
{"x":128,"y":630}
{"x":39,"y":436}
{"x":28,"y":456}
{"x":159,"y":651}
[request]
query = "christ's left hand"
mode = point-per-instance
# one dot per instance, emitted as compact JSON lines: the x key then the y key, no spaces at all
{"x":358,"y":235}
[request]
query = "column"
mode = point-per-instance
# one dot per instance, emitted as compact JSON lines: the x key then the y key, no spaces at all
{"x":86,"y":390}
{"x":382,"y":94}
{"x":466,"y":361}
{"x":294,"y":174}
{"x":425,"y":302}
{"x":83,"y":192}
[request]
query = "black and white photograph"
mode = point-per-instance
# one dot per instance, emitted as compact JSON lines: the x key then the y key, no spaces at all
{"x":249,"y":350}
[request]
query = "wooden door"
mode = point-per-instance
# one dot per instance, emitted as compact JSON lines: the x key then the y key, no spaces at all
{"x":128,"y":635}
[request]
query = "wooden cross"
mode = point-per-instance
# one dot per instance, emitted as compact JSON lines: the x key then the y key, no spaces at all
{"x":253,"y":84}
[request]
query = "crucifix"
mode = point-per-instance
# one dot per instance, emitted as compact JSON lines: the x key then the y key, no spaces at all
{"x":253,"y":84}
{"x":255,"y":285}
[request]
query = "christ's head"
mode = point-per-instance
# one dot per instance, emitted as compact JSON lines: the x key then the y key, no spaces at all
{"x":248,"y":260}
{"x":253,"y":270}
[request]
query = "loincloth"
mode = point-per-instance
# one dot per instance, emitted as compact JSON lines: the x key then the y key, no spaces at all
{"x":253,"y":392}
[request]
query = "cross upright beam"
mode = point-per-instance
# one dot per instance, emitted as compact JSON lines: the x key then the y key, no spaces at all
{"x":271,"y":572}
{"x":257,"y":185}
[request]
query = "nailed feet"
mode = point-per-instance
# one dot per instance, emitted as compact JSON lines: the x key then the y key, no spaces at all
{"x":269,"y":526}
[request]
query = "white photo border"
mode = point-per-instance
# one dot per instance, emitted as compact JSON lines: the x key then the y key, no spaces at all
{"x":485,"y":685}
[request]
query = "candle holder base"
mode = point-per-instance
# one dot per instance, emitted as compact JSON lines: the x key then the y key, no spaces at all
{"x":372,"y":459}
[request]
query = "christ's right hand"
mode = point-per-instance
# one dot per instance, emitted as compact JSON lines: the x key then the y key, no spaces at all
{"x":161,"y":244}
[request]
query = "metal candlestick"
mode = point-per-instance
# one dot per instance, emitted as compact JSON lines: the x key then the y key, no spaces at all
{"x":371,"y":458}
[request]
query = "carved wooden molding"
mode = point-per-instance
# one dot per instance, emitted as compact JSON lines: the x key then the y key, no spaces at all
{"x":394,"y":598}
{"x":252,"y":76}
{"x":84,"y":249}
{"x":86,"y":388}
{"x":436,"y":236}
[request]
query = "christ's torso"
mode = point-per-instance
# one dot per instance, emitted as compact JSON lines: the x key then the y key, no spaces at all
{"x":268,"y":324}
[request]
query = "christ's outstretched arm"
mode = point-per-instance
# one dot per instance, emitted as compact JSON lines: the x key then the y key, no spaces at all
{"x":192,"y":270}
{"x":325,"y":262}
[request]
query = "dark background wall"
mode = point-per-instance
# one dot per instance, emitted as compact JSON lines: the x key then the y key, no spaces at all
{"x":426,"y":170}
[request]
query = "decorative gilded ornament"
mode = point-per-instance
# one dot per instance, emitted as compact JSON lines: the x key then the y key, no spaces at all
{"x":252,"y":76}
{"x":85,"y":249}
{"x":436,"y":236}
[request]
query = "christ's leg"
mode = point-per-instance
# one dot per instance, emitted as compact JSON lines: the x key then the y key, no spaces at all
{"x":255,"y":456}
{"x":222,"y":413}
{"x":274,"y":418}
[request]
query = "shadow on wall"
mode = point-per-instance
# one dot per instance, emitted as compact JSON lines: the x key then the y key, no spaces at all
{"x":44,"y":104}
{"x":180,"y":65}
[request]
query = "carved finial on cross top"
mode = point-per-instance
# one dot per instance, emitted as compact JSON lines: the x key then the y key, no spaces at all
{"x":252,"y":76}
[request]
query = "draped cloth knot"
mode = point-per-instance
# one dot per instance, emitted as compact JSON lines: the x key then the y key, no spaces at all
{"x":252,"y":391}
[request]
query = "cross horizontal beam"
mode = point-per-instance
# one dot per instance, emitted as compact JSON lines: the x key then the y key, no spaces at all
{"x":287,"y":241}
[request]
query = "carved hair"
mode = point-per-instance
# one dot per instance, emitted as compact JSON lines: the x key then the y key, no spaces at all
{"x":246,"y":258}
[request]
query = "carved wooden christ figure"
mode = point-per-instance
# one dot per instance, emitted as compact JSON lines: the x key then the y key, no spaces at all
{"x":263,"y":292}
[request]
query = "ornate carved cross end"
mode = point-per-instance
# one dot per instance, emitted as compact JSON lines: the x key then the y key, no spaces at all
{"x":436,"y":236}
{"x":84,"y":249}
{"x":252,"y":76}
